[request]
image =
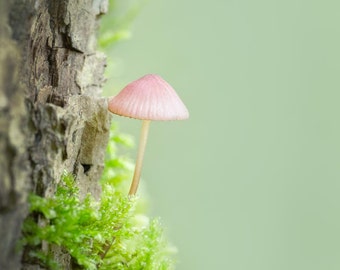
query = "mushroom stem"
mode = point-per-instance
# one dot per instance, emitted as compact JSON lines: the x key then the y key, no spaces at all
{"x":140,"y":155}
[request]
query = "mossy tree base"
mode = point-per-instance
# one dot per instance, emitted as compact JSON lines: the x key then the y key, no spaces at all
{"x":51,"y":116}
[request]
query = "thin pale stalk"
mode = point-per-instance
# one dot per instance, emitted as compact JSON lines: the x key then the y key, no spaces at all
{"x":140,"y":155}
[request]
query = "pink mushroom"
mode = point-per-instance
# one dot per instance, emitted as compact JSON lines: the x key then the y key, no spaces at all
{"x":148,"y":98}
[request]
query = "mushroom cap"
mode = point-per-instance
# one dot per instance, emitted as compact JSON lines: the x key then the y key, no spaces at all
{"x":149,"y":98}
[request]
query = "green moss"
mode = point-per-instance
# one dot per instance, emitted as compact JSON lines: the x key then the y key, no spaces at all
{"x":115,"y":25}
{"x":112,"y":233}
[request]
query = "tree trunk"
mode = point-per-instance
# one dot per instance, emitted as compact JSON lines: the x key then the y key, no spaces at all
{"x":52,"y":118}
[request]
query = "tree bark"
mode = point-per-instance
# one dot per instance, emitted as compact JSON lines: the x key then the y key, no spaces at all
{"x":52,"y":118}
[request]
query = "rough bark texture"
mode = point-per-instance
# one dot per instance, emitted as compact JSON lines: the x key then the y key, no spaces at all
{"x":52,"y":118}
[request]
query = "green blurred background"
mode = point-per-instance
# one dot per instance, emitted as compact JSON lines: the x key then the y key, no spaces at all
{"x":251,"y":181}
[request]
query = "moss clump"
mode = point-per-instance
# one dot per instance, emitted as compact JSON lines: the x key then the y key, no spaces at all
{"x":110,"y":233}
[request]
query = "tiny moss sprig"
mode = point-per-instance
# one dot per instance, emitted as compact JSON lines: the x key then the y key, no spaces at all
{"x":110,"y":233}
{"x":115,"y":25}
